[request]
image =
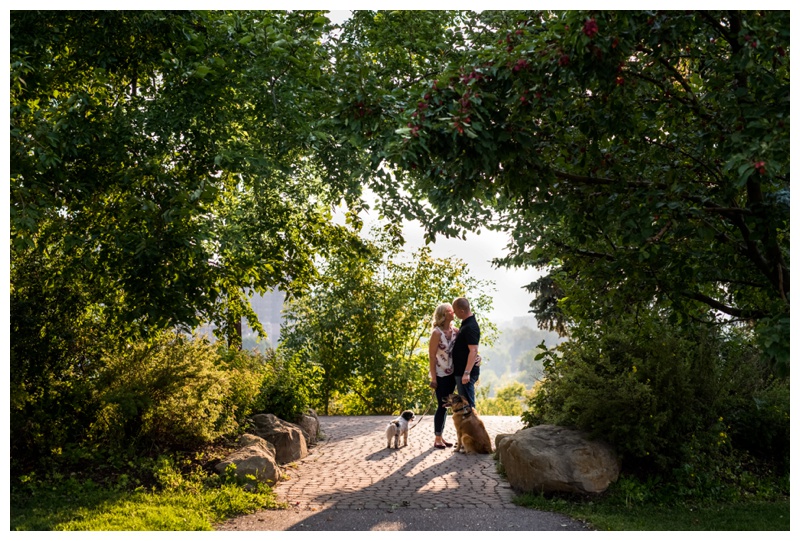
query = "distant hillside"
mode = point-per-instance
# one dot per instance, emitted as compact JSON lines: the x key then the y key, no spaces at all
{"x":511,"y":358}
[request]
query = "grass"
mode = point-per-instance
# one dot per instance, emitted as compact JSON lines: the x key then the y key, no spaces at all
{"x":85,"y":506}
{"x":613,"y":516}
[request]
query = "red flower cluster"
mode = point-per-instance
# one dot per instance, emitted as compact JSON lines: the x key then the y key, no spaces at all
{"x":470,"y":76}
{"x":761,"y":167}
{"x":590,"y":28}
{"x":564,"y":60}
{"x":520,"y":65}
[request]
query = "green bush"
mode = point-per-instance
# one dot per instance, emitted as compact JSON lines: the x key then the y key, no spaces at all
{"x":246,"y":371}
{"x":284,"y":388}
{"x":169,"y":393}
{"x":660,"y":394}
{"x":509,"y":400}
{"x":759,"y":423}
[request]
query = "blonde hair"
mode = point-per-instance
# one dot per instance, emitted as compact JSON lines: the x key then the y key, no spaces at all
{"x":439,"y":315}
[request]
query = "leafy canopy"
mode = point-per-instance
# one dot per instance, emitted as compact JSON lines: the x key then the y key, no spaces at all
{"x":171,"y":161}
{"x":642,"y":158}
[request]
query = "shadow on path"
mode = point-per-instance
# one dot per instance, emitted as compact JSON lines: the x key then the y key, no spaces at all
{"x":351,"y":481}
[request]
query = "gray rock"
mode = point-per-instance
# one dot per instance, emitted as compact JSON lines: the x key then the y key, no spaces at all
{"x":254,"y":457}
{"x":246,"y":440}
{"x":288,"y":439}
{"x":548,"y":458}
{"x":310,"y":426}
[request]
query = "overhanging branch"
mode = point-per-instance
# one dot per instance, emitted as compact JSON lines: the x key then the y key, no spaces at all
{"x":730,"y":310}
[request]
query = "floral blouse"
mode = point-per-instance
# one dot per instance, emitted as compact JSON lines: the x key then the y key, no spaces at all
{"x":444,"y":355}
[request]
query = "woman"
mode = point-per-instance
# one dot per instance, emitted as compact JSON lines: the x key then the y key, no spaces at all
{"x":440,"y":348}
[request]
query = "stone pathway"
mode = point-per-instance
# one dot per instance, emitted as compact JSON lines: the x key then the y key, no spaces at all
{"x":350,"y":480}
{"x":353,"y":469}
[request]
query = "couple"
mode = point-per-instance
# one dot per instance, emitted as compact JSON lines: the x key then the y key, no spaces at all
{"x":454,"y":359}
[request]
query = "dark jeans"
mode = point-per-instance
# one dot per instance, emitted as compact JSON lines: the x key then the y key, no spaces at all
{"x":444,"y":387}
{"x":468,"y":390}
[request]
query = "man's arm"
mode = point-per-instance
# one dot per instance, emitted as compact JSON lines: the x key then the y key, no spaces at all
{"x":472,"y":358}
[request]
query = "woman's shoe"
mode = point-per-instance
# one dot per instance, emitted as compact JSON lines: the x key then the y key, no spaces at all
{"x":448,"y":444}
{"x":441,"y":445}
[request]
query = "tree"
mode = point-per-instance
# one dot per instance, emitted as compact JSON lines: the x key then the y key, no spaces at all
{"x":642,"y":158}
{"x":364,"y":326}
{"x":145,"y":157}
{"x":164,"y":165}
{"x":509,"y":400}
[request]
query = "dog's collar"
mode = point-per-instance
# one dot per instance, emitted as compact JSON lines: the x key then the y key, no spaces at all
{"x":466,"y":407}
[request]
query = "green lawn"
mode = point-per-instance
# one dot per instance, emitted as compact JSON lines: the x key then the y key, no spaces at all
{"x":97,"y":509}
{"x":750,"y":516}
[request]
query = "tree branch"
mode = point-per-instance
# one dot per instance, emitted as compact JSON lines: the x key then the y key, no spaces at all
{"x":598,"y":181}
{"x":735,"y":312}
{"x":586,"y":253}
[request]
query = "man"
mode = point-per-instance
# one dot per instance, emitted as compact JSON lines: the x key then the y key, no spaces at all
{"x":465,"y":351}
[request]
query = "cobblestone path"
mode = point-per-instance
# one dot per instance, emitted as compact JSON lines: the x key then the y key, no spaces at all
{"x":351,"y":481}
{"x":353,"y":469}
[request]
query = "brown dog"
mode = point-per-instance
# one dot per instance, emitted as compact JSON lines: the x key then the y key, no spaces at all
{"x":471,"y":435}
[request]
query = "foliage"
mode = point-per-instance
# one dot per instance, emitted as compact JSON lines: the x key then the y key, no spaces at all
{"x":144,"y":162}
{"x":638,"y":157}
{"x":169,"y":393}
{"x":182,"y":501}
{"x":149,"y":191}
{"x":663,"y":396}
{"x":56,"y":343}
{"x":759,"y":421}
{"x":284,"y":389}
{"x":509,"y":400}
{"x":365,"y":324}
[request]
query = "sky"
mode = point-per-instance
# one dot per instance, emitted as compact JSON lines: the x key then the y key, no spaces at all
{"x":477,"y":251}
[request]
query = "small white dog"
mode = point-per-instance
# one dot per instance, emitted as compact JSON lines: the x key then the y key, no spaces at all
{"x":397,"y":428}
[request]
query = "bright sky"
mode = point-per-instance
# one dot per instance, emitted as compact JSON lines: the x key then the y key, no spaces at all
{"x":477,"y":252}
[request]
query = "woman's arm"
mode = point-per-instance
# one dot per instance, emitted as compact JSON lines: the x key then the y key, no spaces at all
{"x":433,"y":347}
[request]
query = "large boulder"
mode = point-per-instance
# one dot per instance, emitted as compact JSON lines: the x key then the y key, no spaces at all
{"x":310,"y":425}
{"x":548,"y":458}
{"x":288,"y":439}
{"x":255,"y":457}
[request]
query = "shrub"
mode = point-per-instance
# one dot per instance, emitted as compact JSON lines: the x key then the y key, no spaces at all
{"x":170,"y":393}
{"x":658,"y":393}
{"x":759,"y":423}
{"x":509,"y":400}
{"x":246,"y":371}
{"x":283,"y":388}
